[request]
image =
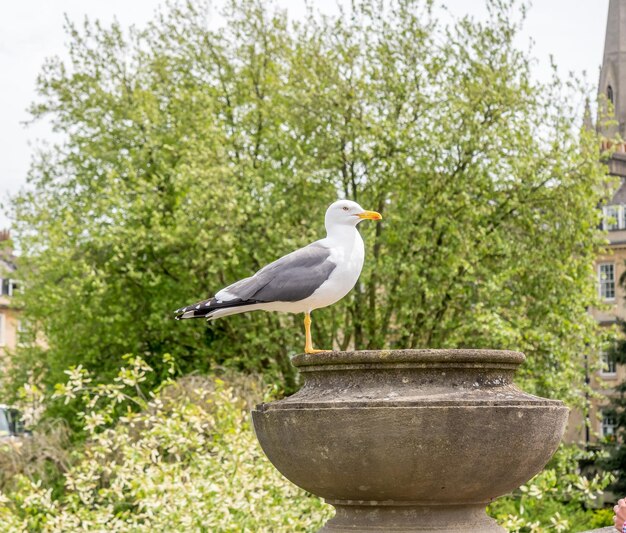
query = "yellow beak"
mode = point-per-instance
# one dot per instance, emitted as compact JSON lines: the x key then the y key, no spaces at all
{"x":370,"y":215}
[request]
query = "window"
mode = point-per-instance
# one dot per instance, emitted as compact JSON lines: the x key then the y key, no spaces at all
{"x":609,"y":425}
{"x":16,"y":424}
{"x":606,"y":280}
{"x":5,"y":430}
{"x":612,"y":218}
{"x":609,"y":365}
{"x":8,"y":286}
{"x":609,"y":94}
{"x":24,"y":335}
{"x":11,"y":423}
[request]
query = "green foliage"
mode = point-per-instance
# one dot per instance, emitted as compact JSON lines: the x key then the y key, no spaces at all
{"x":602,"y":518}
{"x":183,"y":458}
{"x":192,"y":156}
{"x":557,"y":499}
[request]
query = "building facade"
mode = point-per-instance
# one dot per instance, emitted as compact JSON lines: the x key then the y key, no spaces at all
{"x":610,"y":266}
{"x":10,"y":324}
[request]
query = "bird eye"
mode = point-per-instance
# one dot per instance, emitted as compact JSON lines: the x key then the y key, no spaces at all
{"x":346,"y":208}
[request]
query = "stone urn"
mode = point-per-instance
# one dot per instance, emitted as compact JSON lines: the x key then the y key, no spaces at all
{"x":410,"y":440}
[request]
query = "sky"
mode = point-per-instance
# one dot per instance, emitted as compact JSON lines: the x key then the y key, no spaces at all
{"x":571,"y":31}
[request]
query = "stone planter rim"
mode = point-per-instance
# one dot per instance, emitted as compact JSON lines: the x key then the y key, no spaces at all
{"x":448,"y":357}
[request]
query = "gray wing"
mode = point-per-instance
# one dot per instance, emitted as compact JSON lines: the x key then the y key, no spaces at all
{"x":291,"y":278}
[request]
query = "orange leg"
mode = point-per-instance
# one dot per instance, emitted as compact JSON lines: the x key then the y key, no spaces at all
{"x":308,"y":346}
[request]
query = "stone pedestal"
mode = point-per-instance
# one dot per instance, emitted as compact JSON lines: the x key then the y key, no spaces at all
{"x":410,"y":440}
{"x":407,"y":518}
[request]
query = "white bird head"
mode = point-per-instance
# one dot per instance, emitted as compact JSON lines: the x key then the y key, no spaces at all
{"x":347,"y":213}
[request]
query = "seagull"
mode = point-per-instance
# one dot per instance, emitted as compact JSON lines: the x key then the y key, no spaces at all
{"x":309,"y":278}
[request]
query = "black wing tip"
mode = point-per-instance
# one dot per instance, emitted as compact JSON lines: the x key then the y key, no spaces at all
{"x":199,"y":309}
{"x":205,"y":308}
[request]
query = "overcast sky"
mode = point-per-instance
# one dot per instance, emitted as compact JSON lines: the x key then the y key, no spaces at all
{"x":572,"y":31}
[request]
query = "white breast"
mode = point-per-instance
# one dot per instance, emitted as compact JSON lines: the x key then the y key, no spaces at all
{"x":348,"y":253}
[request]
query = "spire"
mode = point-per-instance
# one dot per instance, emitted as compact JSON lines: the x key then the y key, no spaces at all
{"x":612,"y":88}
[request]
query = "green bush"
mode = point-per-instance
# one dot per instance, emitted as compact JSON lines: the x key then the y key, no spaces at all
{"x":186,"y":461}
{"x":559,"y":498}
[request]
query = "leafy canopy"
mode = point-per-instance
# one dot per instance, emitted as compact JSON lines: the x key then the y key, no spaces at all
{"x":193,"y":155}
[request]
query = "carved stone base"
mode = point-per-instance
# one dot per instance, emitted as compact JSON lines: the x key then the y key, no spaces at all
{"x":357,"y":517}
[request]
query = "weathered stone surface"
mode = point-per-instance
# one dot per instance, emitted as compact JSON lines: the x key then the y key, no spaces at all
{"x":410,"y":440}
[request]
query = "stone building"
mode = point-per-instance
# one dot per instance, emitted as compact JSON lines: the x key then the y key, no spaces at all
{"x":10,"y":324}
{"x":610,"y":266}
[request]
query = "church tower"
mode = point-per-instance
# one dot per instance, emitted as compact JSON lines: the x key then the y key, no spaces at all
{"x":612,"y":87}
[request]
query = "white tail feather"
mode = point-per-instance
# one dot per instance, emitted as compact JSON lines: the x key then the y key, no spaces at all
{"x":218,"y":313}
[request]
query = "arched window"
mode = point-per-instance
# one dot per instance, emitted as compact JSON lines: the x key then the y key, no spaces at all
{"x":609,"y":94}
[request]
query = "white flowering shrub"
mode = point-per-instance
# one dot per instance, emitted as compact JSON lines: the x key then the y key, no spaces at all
{"x":31,"y":399}
{"x":558,"y":499}
{"x":183,"y":458}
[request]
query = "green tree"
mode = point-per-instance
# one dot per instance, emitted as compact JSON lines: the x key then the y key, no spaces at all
{"x":191,"y":156}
